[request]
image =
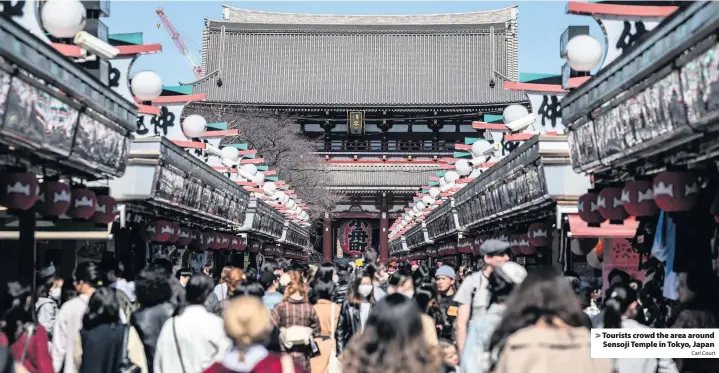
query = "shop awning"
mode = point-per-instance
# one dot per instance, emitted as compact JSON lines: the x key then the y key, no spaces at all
{"x":578,"y":228}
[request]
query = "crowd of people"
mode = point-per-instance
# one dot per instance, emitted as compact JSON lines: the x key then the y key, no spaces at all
{"x":335,"y":318}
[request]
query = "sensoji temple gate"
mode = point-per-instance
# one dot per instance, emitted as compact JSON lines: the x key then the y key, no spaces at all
{"x":390,"y":96}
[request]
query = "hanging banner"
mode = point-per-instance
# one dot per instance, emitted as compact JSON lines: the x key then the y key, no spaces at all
{"x":465,"y":246}
{"x":449,"y":248}
{"x":355,"y":236}
{"x":272,"y":250}
{"x":254,"y":246}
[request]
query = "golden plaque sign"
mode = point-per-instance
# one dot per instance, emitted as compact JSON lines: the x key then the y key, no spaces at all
{"x":355,"y":122}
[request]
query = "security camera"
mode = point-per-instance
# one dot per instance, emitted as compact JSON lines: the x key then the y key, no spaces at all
{"x":95,"y":46}
{"x":522,"y":123}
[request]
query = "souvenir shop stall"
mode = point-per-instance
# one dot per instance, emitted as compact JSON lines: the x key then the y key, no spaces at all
{"x":398,"y":249}
{"x":176,"y":207}
{"x":60,"y":128}
{"x":645,"y":128}
{"x":295,"y":241}
{"x":263,"y":226}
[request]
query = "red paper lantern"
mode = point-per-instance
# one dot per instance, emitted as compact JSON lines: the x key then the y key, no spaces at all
{"x":589,"y":209}
{"x":162,"y":231}
{"x":638,"y":198}
{"x":18,"y":190}
{"x":174,"y":232}
{"x":211,"y":240}
{"x":611,"y":206}
{"x":199,"y":240}
{"x":225,"y":241}
{"x":105,"y":210}
{"x":676,"y":191}
{"x":82,"y":205}
{"x":54,"y":198}
{"x":184,"y":237}
{"x":540,"y":235}
{"x":522,"y":243}
{"x":513,"y":244}
{"x":505,"y":234}
{"x":531,"y":250}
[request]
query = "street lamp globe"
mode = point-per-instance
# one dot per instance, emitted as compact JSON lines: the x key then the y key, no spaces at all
{"x":230,"y":153}
{"x":279,"y":196}
{"x":250,"y":169}
{"x":480,"y":148}
{"x":442,"y":182}
{"x":269,"y":188}
{"x":514,"y":112}
{"x":463,"y":167}
{"x":427,"y":200}
{"x":584,"y":53}
{"x":63,"y":18}
{"x":434,"y":192}
{"x":420,"y":206}
{"x":404,"y":223}
{"x":407,"y":218}
{"x":146,"y":85}
{"x":194,"y":126}
{"x":259,"y":178}
{"x":451,"y":176}
{"x":291,"y":204}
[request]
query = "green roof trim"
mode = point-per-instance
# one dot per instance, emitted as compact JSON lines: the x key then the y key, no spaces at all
{"x":528,"y":77}
{"x":272,"y":178}
{"x":263,"y":168}
{"x":440,"y":173}
{"x":238,"y":146}
{"x":492,"y":118}
{"x":218,"y":126}
{"x":179,"y":89}
{"x":434,"y":183}
{"x":461,"y":155}
{"x":470,"y":140}
{"x":134,"y":38}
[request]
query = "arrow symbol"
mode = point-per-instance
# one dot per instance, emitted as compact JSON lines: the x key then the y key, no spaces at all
{"x":596,"y":335}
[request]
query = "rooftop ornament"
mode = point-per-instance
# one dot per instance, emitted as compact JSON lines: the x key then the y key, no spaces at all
{"x":584,"y":53}
{"x":147,"y":86}
{"x":63,"y":19}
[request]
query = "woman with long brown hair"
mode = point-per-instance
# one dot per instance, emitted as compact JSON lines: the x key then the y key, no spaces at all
{"x":221,"y":288}
{"x":297,"y":321}
{"x":392,"y":341}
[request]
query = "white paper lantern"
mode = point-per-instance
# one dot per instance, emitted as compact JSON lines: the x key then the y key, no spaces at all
{"x":450,"y":177}
{"x":480,"y":147}
{"x":434,"y":192}
{"x":442,"y":182}
{"x":269,"y":188}
{"x":584,"y":53}
{"x":146,"y":85}
{"x":230,"y":153}
{"x":420,"y":206}
{"x":63,"y":18}
{"x":427,"y":200}
{"x":463,"y":167}
{"x":194,"y":126}
{"x":290,"y":204}
{"x":250,"y":169}
{"x":404,"y":223}
{"x":514,"y":112}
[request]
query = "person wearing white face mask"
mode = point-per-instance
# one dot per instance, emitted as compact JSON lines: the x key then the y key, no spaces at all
{"x":48,"y":303}
{"x":355,"y":310}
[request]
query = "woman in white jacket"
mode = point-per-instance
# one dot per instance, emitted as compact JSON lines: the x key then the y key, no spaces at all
{"x":195,"y":339}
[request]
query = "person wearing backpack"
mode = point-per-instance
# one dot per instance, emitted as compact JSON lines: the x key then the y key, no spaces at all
{"x":27,"y":341}
{"x":473,"y":295}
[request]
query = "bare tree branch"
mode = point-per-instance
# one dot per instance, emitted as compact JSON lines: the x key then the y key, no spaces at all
{"x":278,"y":139}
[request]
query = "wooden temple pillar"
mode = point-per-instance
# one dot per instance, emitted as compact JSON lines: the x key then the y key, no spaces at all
{"x":327,"y":239}
{"x":383,"y":230}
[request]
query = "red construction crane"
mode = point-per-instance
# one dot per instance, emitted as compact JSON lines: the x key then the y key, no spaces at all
{"x":179,"y":42}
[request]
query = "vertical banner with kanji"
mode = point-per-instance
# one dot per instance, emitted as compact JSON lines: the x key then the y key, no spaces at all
{"x":355,"y":236}
{"x":621,"y":256}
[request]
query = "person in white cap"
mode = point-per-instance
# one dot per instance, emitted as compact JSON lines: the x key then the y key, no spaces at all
{"x":473,"y":295}
{"x":476,"y":355}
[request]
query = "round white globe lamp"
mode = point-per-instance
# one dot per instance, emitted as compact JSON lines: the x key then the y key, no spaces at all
{"x":420,"y":206}
{"x":63,"y":18}
{"x":427,"y":200}
{"x":146,"y":85}
{"x":404,"y":223}
{"x":250,"y":169}
{"x":194,"y":126}
{"x":463,"y":167}
{"x":442,"y":182}
{"x":291,"y":204}
{"x":269,"y":188}
{"x":434,"y":192}
{"x":584,"y":53}
{"x":230,"y":153}
{"x":259,"y":178}
{"x":480,"y":147}
{"x":451,"y":176}
{"x":514,"y":112}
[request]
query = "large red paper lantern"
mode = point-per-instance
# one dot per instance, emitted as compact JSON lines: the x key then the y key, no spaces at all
{"x":676,"y":191}
{"x":162,"y":231}
{"x":638,"y":198}
{"x":589,"y":209}
{"x":184,"y":237}
{"x":105,"y":210}
{"x":174,"y":232}
{"x":18,"y":190}
{"x":82,"y":205}
{"x":54,"y":198}
{"x":540,"y":235}
{"x":224,"y":241}
{"x":523,"y":243}
{"x":611,"y":206}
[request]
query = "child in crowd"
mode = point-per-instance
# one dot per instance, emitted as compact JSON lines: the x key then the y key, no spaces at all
{"x":451,"y":358}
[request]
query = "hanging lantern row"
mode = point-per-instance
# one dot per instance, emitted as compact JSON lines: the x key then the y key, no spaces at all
{"x":170,"y":232}
{"x":51,"y":199}
{"x":669,"y":191}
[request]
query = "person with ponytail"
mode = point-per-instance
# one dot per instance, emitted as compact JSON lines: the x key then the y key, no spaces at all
{"x":620,"y":308}
{"x":247,"y":322}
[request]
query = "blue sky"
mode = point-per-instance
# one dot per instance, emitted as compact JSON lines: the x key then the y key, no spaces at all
{"x":540,"y":25}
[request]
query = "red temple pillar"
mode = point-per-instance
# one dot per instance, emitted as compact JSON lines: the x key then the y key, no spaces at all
{"x":384,"y":231}
{"x":327,"y":239}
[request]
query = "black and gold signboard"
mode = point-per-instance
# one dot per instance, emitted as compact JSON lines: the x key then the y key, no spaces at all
{"x":355,"y":122}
